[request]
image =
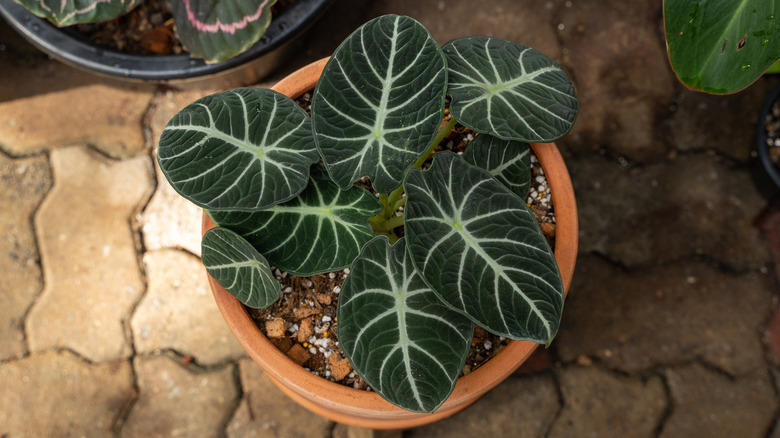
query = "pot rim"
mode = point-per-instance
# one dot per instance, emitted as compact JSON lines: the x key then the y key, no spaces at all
{"x":367,"y":409}
{"x":72,"y":48}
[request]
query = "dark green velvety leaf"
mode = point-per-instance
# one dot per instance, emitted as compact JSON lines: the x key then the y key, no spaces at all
{"x":508,"y":161}
{"x":217,"y":30}
{"x":239,"y":268}
{"x":479,"y":248}
{"x":242,"y":149}
{"x":722,"y":46}
{"x":509,"y":90}
{"x":406,"y":344}
{"x":379,"y":102}
{"x":321,"y":230}
{"x":68,"y":12}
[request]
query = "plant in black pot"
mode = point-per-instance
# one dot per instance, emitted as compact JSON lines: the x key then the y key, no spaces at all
{"x":217,"y":36}
{"x":436,"y":250}
{"x":721,"y":47}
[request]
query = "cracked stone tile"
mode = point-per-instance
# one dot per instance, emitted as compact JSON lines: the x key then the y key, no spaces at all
{"x":57,"y":394}
{"x":622,"y":96}
{"x":665,"y":315}
{"x":25,"y":182}
{"x":534,"y":27}
{"x":697,"y":123}
{"x":170,"y":221}
{"x":519,"y":406}
{"x":344,"y":431}
{"x":79,"y":109}
{"x":180,"y":401}
{"x":709,"y":403}
{"x":265,"y":411}
{"x":179,"y":312}
{"x":775,"y":433}
{"x":689,"y":206}
{"x":88,"y":250}
{"x":601,"y":403}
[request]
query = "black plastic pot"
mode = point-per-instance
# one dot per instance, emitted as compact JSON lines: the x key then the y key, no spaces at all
{"x":71,"y":47}
{"x":766,"y":173}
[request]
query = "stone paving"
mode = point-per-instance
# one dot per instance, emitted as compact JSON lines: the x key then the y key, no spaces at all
{"x":108,"y":328}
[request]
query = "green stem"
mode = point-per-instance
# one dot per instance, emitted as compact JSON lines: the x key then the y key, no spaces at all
{"x":393,"y":238}
{"x":388,"y":225}
{"x":399,"y":203}
{"x":439,"y":137}
{"x":395,"y":195}
{"x":383,"y":199}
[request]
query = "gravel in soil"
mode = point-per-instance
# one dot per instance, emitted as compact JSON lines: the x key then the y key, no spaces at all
{"x":303,"y":324}
{"x":772,"y":124}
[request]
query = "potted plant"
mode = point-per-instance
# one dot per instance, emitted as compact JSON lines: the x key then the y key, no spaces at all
{"x":280,"y":187}
{"x":218,"y":44}
{"x":723,"y":47}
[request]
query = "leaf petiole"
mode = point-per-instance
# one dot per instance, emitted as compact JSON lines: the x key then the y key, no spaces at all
{"x":386,"y":225}
{"x":399,"y":203}
{"x":443,"y":131}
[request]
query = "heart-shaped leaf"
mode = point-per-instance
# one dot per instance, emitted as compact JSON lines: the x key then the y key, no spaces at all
{"x":239,"y":268}
{"x":721,"y":46}
{"x":508,"y":161}
{"x":379,"y":102}
{"x":242,"y":149}
{"x":68,"y":12}
{"x":321,"y":230}
{"x":406,"y":344}
{"x":217,"y":30}
{"x":479,"y":248}
{"x":509,"y":90}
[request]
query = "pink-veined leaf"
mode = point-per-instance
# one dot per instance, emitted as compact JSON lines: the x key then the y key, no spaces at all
{"x":217,"y":30}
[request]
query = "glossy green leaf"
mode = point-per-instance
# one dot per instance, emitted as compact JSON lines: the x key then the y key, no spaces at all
{"x":68,"y":12}
{"x":722,"y":46}
{"x":509,"y":90}
{"x":321,"y":230}
{"x":508,"y":161}
{"x":217,"y":30}
{"x":379,"y":102}
{"x":406,"y":344}
{"x":239,"y":268}
{"x":479,"y":248}
{"x":242,"y":149}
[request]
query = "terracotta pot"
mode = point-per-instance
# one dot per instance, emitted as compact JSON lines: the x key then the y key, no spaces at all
{"x":367,"y":409}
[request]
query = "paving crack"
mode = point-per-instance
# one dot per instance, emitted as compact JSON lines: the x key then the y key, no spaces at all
{"x":669,"y":409}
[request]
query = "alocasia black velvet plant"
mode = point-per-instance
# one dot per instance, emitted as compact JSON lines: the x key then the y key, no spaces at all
{"x":210,"y":29}
{"x":280,"y":186}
